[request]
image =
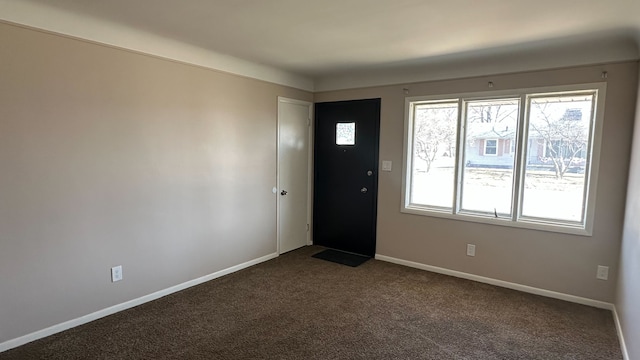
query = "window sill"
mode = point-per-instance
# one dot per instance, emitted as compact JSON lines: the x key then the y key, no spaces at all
{"x":477,"y":218}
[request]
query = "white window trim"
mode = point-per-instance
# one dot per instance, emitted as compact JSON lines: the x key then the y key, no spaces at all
{"x":354,"y":134}
{"x":516,"y":221}
{"x":512,"y":148}
{"x":484,"y":153}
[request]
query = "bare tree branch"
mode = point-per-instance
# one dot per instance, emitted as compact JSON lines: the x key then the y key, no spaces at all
{"x":564,"y":138}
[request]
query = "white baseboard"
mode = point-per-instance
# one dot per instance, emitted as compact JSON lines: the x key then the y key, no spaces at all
{"x":519,"y":287}
{"x":501,"y":283}
{"x":623,"y":345}
{"x":10,"y":344}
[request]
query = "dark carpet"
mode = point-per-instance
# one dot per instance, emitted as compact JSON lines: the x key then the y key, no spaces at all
{"x":296,"y":307}
{"x":341,"y":257}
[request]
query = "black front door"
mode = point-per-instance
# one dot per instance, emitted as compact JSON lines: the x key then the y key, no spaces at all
{"x":346,"y":175}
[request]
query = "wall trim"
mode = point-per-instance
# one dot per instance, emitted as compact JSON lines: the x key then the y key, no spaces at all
{"x":13,"y":343}
{"x":623,"y":345}
{"x":519,"y":287}
{"x":501,"y":283}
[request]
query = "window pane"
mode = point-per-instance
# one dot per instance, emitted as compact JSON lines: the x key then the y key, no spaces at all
{"x":557,"y":146}
{"x":491,"y":128}
{"x":345,"y":133}
{"x":434,"y":154}
{"x":491,"y":147}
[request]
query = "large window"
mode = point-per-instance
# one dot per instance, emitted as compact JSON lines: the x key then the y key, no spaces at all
{"x":520,"y":158}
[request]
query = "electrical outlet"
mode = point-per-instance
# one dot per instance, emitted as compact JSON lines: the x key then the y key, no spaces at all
{"x":116,"y":273}
{"x":471,"y":250}
{"x":603,"y":272}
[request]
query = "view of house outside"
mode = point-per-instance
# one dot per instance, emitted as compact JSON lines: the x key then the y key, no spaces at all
{"x":556,"y":156}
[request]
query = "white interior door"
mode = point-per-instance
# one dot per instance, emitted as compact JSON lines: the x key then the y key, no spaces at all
{"x":294,"y":134}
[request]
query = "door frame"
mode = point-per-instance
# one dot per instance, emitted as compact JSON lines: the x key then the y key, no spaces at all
{"x":277,"y":189}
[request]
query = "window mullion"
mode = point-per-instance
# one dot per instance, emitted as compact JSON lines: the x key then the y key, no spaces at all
{"x":459,"y":157}
{"x":520,"y":163}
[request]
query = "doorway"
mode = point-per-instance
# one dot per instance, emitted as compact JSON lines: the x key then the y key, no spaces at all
{"x":346,"y":175}
{"x":294,"y":174}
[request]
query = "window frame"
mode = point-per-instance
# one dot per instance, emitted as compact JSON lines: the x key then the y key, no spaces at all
{"x":484,"y":151}
{"x":354,"y":133}
{"x":516,"y":219}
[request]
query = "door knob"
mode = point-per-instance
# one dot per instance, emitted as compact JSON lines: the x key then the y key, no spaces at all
{"x":364,"y":190}
{"x":283,"y":192}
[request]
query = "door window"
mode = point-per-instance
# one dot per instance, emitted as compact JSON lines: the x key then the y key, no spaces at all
{"x":345,"y":133}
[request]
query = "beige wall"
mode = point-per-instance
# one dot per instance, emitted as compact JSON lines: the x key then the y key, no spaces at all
{"x":628,"y":296}
{"x":109,"y":157}
{"x":552,"y":261}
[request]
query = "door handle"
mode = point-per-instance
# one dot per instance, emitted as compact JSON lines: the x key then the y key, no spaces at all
{"x":283,"y":192}
{"x":364,"y":190}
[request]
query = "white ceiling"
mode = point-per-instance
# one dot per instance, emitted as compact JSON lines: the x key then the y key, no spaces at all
{"x":327,"y":40}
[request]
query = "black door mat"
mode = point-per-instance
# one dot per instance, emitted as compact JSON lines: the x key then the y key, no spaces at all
{"x":341,"y":257}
